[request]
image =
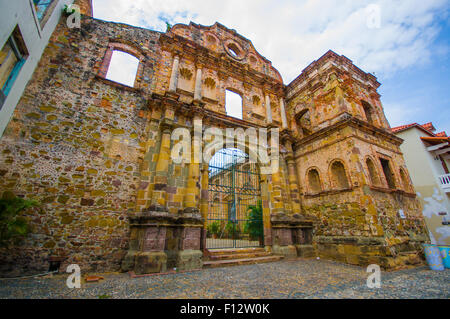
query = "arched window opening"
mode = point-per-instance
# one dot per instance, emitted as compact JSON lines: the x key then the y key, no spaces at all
{"x":388,"y":174}
{"x":233,"y":104}
{"x":374,"y":179}
{"x":123,"y":68}
{"x":303,"y":122}
{"x":314,"y":181}
{"x":338,"y":175}
{"x":234,"y":50}
{"x":405,"y":181}
{"x":368,"y":111}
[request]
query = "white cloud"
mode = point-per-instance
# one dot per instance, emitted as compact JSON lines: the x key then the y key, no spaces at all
{"x":123,"y":68}
{"x":233,"y":104}
{"x":293,"y":33}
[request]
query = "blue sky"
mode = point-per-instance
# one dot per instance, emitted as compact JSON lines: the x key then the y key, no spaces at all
{"x":404,"y":43}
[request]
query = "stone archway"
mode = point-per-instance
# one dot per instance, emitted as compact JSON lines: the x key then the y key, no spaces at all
{"x":235,"y":215}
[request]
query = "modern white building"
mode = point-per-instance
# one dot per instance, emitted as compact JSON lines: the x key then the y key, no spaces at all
{"x":427,"y":157}
{"x":25,"y":29}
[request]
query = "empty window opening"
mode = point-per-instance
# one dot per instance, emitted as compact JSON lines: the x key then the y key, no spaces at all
{"x":303,"y":122}
{"x":388,"y":172}
{"x":234,"y":51}
{"x":123,"y":68}
{"x":12,"y":58}
{"x":374,"y":179}
{"x":339,"y":176}
{"x":233,"y":104}
{"x":314,"y":181}
{"x":368,"y":111}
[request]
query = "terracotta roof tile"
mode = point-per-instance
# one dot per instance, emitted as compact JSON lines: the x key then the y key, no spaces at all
{"x":402,"y":127}
{"x":428,"y":127}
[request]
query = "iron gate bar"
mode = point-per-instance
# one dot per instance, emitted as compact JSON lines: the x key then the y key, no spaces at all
{"x":234,"y":185}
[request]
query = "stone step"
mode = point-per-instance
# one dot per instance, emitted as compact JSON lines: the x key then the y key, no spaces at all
{"x":236,"y":262}
{"x":240,"y":255}
{"x":216,"y":252}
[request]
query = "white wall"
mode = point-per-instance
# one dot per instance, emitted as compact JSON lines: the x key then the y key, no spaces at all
{"x":21,"y":13}
{"x":424,"y":170}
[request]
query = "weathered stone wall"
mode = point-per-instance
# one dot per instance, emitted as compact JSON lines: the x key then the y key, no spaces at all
{"x":76,"y":144}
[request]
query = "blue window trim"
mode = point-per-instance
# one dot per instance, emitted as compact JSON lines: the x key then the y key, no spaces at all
{"x":41,"y":7}
{"x":12,"y":77}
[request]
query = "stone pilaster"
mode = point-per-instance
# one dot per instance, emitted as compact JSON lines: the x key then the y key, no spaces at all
{"x":293,"y":180}
{"x":204,"y":205}
{"x":283,"y":114}
{"x":265,"y":197}
{"x":174,"y":76}
{"x":268,"y":110}
{"x":158,"y":202}
{"x":277,"y":191}
{"x":198,"y":85}
{"x":191,"y":197}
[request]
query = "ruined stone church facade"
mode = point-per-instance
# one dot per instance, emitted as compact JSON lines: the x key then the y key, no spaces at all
{"x":96,"y":154}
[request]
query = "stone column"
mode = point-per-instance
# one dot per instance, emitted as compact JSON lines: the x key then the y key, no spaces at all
{"x":158,"y":202}
{"x":265,"y":197}
{"x":293,"y":180}
{"x":198,"y":85}
{"x":268,"y":110}
{"x":191,"y":196}
{"x":277,"y":184}
{"x":283,"y":114}
{"x":174,"y":77}
{"x":204,"y":205}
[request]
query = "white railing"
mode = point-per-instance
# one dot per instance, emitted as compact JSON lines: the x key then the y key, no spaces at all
{"x":445,"y":182}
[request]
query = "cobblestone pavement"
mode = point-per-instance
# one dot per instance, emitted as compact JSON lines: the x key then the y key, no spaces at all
{"x":284,"y":279}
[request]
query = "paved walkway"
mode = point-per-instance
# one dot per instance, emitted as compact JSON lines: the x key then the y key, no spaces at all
{"x":284,"y":279}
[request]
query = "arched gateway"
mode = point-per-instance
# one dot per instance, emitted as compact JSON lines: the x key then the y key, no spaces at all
{"x":235,"y":217}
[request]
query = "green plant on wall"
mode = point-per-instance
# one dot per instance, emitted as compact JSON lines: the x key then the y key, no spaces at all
{"x":68,"y":10}
{"x":254,"y":225}
{"x":13,"y":227}
{"x":168,"y":26}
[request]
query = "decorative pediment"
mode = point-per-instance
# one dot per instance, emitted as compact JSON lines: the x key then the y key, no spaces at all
{"x":221,"y":40}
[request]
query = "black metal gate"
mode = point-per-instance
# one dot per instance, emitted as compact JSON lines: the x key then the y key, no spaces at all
{"x":235,"y":209}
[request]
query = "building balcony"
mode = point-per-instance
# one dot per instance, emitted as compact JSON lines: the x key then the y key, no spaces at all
{"x":445,"y":182}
